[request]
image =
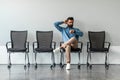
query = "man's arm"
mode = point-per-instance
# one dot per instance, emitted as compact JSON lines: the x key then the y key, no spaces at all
{"x":78,"y":32}
{"x":57,"y":25}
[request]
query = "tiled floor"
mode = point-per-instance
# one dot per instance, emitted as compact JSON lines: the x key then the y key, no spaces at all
{"x":43,"y":72}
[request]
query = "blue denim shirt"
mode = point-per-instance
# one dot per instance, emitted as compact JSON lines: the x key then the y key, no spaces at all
{"x":66,"y":35}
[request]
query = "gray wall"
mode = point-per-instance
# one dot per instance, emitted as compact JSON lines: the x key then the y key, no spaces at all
{"x":32,"y":15}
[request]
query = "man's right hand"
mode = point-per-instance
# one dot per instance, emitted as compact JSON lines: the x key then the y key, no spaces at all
{"x":65,"y":21}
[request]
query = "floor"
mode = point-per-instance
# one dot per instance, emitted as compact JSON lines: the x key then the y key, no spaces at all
{"x":43,"y":72}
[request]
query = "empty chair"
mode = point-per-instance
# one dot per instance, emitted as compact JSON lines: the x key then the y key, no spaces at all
{"x":44,"y":44}
{"x":73,"y":50}
{"x":17,"y":44}
{"x":97,"y":44}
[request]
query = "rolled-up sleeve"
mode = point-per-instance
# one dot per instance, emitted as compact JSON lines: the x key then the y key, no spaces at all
{"x":57,"y":25}
{"x":78,"y":32}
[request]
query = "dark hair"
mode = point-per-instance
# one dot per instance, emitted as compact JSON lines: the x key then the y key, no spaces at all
{"x":70,"y":18}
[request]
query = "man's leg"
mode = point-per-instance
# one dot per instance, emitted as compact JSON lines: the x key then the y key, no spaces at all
{"x":67,"y":51}
{"x":69,"y":42}
{"x":75,"y":44}
{"x":68,"y":56}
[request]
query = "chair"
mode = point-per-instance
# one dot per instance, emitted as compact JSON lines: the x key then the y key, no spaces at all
{"x":77,"y":50}
{"x":44,"y":44}
{"x":18,"y":43}
{"x":97,"y":44}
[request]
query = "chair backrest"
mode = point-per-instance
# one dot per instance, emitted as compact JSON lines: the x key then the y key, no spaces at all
{"x":96,"y":39}
{"x":44,"y":39}
{"x":19,"y":39}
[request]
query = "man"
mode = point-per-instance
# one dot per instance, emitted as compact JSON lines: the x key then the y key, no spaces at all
{"x":70,"y":37}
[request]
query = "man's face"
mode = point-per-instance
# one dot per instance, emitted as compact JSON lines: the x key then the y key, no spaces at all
{"x":70,"y":23}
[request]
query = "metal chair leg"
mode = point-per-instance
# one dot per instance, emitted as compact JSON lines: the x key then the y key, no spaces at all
{"x":53,"y":60}
{"x":79,"y":65}
{"x":63,"y":60}
{"x":25,"y":61}
{"x":9,"y":60}
{"x":35,"y":60}
{"x":106,"y":61}
{"x":60,"y":59}
{"x":88,"y":59}
{"x":28,"y":60}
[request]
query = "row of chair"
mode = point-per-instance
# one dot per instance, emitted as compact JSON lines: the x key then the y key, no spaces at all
{"x":44,"y":43}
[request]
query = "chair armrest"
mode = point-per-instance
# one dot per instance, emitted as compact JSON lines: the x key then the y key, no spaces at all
{"x":27,"y":46}
{"x":54,"y":44}
{"x":34,"y":43}
{"x":108,"y":45}
{"x":81,"y":45}
{"x":61,"y":43}
{"x":7,"y":44}
{"x":88,"y":46}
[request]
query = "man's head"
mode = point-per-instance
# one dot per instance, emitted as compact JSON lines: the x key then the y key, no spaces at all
{"x":70,"y":21}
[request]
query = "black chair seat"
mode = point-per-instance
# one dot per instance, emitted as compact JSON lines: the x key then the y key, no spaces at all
{"x":44,"y":49}
{"x":17,"y":50}
{"x":99,"y":49}
{"x":73,"y":49}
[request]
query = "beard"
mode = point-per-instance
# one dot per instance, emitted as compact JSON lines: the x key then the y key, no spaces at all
{"x":70,"y":26}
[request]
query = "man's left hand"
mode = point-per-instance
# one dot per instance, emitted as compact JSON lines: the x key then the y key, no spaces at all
{"x":72,"y":31}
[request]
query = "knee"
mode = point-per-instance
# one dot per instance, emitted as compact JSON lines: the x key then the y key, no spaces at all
{"x":68,"y":47}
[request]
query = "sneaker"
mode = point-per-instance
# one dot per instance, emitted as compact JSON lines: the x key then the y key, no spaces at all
{"x":57,"y":50}
{"x":68,"y":72}
{"x":68,"y":66}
